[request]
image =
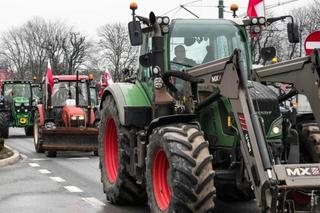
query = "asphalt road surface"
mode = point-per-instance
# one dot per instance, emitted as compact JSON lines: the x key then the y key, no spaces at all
{"x":69,"y":183}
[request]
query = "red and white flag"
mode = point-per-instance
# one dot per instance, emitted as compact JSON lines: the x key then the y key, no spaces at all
{"x":107,"y":78}
{"x":256,"y":8}
{"x":49,"y":77}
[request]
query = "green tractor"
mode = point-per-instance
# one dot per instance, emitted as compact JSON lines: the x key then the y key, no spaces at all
{"x":16,"y":107}
{"x":194,"y":125}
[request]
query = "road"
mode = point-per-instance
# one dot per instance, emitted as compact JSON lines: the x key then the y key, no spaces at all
{"x":69,"y":183}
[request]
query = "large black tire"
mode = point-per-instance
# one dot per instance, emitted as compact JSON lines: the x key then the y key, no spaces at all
{"x":4,"y":124}
{"x":118,"y":185}
{"x":230,"y":193}
{"x":187,"y":172}
{"x":28,"y":130}
{"x":37,"y":136}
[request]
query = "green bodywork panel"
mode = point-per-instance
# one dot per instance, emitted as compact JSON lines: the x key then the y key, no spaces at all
{"x":127,"y":95}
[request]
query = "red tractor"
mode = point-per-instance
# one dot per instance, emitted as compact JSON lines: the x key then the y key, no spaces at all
{"x":66,"y":120}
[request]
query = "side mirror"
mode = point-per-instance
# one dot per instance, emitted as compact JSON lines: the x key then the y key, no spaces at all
{"x":293,"y":33}
{"x":135,"y":33}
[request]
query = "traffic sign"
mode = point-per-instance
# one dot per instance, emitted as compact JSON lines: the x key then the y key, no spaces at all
{"x":312,"y":42}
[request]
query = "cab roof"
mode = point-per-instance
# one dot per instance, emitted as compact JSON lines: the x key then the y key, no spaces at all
{"x":70,"y":77}
{"x":16,"y":82}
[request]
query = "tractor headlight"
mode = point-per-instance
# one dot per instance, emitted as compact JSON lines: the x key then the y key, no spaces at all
{"x":18,"y":110}
{"x":262,"y":20}
{"x":25,"y":110}
{"x":276,"y":128}
{"x":254,"y":21}
{"x":166,"y":20}
{"x":77,"y":117}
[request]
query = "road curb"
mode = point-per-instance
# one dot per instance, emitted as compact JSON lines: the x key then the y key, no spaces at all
{"x":11,"y":160}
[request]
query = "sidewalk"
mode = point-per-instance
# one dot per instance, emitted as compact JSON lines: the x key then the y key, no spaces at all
{"x":10,"y":160}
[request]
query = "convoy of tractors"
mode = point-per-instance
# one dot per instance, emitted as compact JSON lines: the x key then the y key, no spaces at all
{"x":196,"y":123}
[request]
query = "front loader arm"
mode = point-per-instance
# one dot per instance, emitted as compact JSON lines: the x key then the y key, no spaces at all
{"x":303,"y":73}
{"x":227,"y":75}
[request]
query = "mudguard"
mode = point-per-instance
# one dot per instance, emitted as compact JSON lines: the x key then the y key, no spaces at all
{"x":40,"y":109}
{"x":132,"y":102}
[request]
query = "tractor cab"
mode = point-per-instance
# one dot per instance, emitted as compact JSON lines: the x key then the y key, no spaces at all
{"x":17,"y":105}
{"x":69,"y":109}
{"x":37,"y":93}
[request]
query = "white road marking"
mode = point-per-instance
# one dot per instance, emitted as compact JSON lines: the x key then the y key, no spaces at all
{"x":82,"y":158}
{"x":94,"y":202}
{"x":34,"y":165}
{"x":23,"y":156}
{"x":58,"y":179}
{"x":38,"y":159}
{"x":44,"y":171}
{"x":72,"y":189}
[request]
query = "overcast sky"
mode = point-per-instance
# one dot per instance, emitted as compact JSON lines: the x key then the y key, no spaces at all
{"x":88,"y":15}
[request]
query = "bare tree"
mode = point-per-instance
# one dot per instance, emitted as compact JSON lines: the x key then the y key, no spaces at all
{"x":13,"y":49}
{"x":116,"y":48}
{"x":75,"y":50}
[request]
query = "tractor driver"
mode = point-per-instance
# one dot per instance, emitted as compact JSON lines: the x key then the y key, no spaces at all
{"x":181,"y":58}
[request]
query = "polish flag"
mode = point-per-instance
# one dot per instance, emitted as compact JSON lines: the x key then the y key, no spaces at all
{"x":107,"y":78}
{"x":49,"y":77}
{"x":256,"y":8}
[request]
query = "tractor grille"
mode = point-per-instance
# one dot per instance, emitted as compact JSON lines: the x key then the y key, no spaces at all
{"x":266,"y":103}
{"x":77,"y":123}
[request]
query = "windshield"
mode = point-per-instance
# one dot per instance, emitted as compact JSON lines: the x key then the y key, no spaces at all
{"x":64,"y":90}
{"x":194,"y":42}
{"x":36,"y":92}
{"x":17,"y":90}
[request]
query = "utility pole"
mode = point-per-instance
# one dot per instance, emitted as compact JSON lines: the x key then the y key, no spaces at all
{"x":221,"y":7}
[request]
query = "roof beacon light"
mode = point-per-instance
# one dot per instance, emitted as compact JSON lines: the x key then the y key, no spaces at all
{"x":133,"y":5}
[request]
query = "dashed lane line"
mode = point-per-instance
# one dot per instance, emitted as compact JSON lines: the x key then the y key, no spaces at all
{"x":58,"y":179}
{"x":34,"y":165}
{"x":81,"y":158}
{"x":44,"y":171}
{"x":72,"y":189}
{"x":93,"y":202}
{"x":39,"y":159}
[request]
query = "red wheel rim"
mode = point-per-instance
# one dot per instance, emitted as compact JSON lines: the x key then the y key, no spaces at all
{"x":161,"y":187}
{"x":111,"y":150}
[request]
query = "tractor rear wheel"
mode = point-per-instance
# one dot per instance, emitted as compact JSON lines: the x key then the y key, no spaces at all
{"x":4,"y":124}
{"x":28,"y":130}
{"x":37,"y":136}
{"x":114,"y":156}
{"x":179,"y":172}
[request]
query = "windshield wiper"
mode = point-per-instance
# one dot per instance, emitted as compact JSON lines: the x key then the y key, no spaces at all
{"x":182,"y":64}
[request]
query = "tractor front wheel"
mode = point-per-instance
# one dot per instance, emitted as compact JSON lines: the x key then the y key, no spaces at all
{"x":37,"y":136}
{"x":4,"y":124}
{"x":28,"y":130}
{"x":179,"y":172}
{"x":114,"y":157}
